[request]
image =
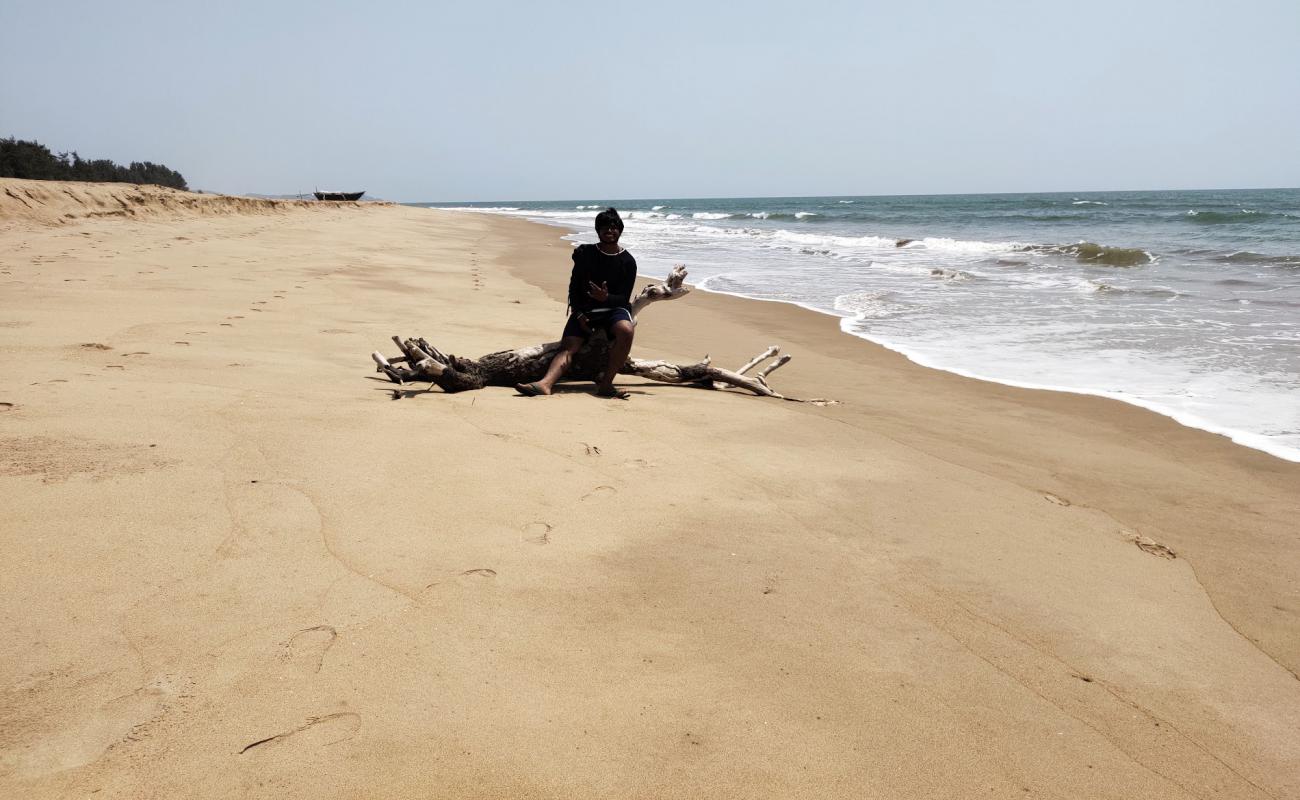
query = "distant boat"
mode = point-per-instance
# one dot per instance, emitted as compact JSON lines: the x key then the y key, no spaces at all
{"x":339,"y":195}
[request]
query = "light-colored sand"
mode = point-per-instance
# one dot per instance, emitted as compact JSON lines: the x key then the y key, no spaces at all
{"x":234,"y":566}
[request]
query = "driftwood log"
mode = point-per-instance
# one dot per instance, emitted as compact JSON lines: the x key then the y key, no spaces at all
{"x":421,"y":361}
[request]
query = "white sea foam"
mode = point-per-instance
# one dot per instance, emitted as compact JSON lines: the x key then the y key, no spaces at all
{"x":832,"y":242}
{"x":1187,"y":406}
{"x":969,"y":247}
{"x":657,"y":208}
{"x":1089,"y":203}
{"x":709,"y":215}
{"x":869,"y":305}
{"x":805,"y":214}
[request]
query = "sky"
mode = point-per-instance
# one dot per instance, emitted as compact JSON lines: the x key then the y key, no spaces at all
{"x":480,"y":100}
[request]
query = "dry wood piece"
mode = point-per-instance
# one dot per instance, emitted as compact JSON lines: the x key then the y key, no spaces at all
{"x":421,"y":361}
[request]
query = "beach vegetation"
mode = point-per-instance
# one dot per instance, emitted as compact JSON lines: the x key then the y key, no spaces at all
{"x":35,"y":161}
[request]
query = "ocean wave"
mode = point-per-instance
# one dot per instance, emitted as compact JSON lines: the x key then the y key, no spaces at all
{"x":1264,"y":302}
{"x":870,"y":305}
{"x":780,"y":215}
{"x":1241,"y":216}
{"x":1241,"y":282}
{"x":1247,"y":257}
{"x":945,"y":245}
{"x":1078,"y":202}
{"x":950,"y":274}
{"x":831,"y":242}
{"x":1101,"y":287}
{"x":1093,"y":253}
{"x":657,"y":208}
{"x":710,"y":215}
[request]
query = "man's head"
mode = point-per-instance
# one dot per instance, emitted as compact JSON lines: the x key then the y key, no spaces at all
{"x":607,"y":218}
{"x":609,"y":226}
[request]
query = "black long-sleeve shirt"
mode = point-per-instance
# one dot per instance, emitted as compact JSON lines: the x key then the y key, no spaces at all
{"x":590,"y":265}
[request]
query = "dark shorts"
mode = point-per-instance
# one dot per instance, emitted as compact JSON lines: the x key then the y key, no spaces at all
{"x":602,"y":321}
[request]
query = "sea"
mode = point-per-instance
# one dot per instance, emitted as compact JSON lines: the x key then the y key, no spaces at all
{"x":1186,"y":303}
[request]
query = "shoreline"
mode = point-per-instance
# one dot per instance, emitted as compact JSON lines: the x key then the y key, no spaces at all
{"x":1247,"y":439}
{"x":238,"y":558}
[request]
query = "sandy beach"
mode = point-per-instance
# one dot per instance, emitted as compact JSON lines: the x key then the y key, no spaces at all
{"x":236,"y":566}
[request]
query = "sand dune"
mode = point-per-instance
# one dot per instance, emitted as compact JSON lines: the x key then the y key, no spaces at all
{"x":236,"y":566}
{"x":61,"y":202}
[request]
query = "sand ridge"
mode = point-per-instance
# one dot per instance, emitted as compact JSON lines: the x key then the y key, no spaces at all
{"x":235,"y":565}
{"x":63,"y":202}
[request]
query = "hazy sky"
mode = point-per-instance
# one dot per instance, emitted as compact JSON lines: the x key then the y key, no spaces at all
{"x":573,"y":100}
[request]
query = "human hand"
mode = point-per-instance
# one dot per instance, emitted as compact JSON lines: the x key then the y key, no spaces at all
{"x":584,"y":323}
{"x":598,"y":293}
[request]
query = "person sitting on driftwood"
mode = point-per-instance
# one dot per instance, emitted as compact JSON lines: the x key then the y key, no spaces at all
{"x":600,"y":296}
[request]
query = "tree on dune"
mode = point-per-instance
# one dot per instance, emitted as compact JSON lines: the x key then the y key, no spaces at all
{"x":34,"y":161}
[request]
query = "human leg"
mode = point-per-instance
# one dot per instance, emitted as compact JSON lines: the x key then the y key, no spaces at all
{"x":569,"y":346}
{"x":622,"y":332}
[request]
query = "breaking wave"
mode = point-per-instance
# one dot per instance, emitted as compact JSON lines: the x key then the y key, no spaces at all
{"x":1093,"y":253}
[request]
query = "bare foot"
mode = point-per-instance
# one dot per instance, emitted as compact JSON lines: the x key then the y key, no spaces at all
{"x":535,"y":389}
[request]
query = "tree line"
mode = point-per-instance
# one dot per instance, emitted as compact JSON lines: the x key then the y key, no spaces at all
{"x":34,"y":161}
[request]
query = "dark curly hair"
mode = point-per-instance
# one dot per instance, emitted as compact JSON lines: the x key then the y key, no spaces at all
{"x":609,"y":217}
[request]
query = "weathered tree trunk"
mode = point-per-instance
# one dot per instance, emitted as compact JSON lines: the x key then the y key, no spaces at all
{"x":423,"y":362}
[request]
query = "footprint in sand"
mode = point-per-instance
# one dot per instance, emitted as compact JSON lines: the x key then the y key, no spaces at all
{"x":537,"y":532}
{"x":184,"y":343}
{"x":1148,"y":545}
{"x":315,"y":732}
{"x":136,"y":353}
{"x":306,"y":649}
{"x":482,"y":572}
{"x":7,"y":407}
{"x":227,"y":324}
{"x":235,"y":317}
{"x":95,"y":346}
{"x":1051,"y":498}
{"x":600,"y":492}
{"x":114,"y":366}
{"x":637,"y":463}
{"x":592,"y":450}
